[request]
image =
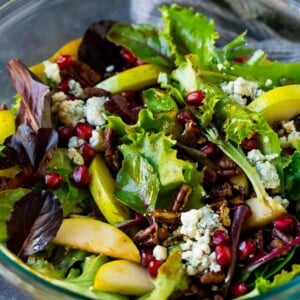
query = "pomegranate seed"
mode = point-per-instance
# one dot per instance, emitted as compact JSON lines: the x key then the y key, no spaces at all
{"x":184,"y":117}
{"x":239,"y":289}
{"x":241,"y":59}
{"x":54,"y":180}
{"x":220,"y":237}
{"x":223,"y":255}
{"x":64,"y":86}
{"x":153,"y":267}
{"x":65,"y":61}
{"x":80,"y":176}
{"x":195,"y":98}
{"x":83,"y":130}
{"x":249,"y":144}
{"x":285,"y":223}
{"x":88,"y":153}
{"x":146,"y":256}
{"x":246,"y":250}
{"x":129,"y":58}
{"x":65,"y":133}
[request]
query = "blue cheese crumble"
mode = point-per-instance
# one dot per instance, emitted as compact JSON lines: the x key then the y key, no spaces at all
{"x":292,"y":136}
{"x":95,"y":111}
{"x":241,"y":90}
{"x":197,"y":228}
{"x":51,"y":71}
{"x":72,"y":112}
{"x":266,"y":170}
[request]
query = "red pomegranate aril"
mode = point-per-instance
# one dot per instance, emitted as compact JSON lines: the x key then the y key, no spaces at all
{"x":88,"y":153}
{"x":129,"y":58}
{"x":239,"y":289}
{"x":209,"y":149}
{"x":184,"y":117}
{"x":153,"y":267}
{"x":54,"y":180}
{"x":249,"y":144}
{"x":220,"y":237}
{"x":65,"y":61}
{"x":80,"y":176}
{"x":64,"y":86}
{"x":65,"y":133}
{"x":223,"y":255}
{"x":83,"y":130}
{"x":146,"y":257}
{"x":241,"y":59}
{"x":246,"y":250}
{"x":195,"y":98}
{"x":285,"y":223}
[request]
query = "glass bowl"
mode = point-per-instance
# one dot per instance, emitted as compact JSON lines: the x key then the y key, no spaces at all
{"x":32,"y":30}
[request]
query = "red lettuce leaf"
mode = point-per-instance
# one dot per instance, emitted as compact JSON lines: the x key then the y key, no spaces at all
{"x":97,"y":52}
{"x":33,"y":223}
{"x":35,"y":105}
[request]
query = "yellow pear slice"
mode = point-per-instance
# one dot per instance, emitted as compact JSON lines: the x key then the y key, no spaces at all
{"x":7,"y":122}
{"x":96,"y":237}
{"x":102,"y":189}
{"x":124,"y":277}
{"x":71,"y":48}
{"x":263,"y":212}
{"x":279,"y":104}
{"x":133,"y":79}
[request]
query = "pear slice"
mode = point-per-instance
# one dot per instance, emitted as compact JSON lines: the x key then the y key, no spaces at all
{"x":102,"y":189}
{"x":263,"y":212}
{"x":7,"y":122}
{"x":133,"y":79}
{"x":70,"y":48}
{"x":124,"y":277}
{"x":279,"y":104}
{"x":96,"y":237}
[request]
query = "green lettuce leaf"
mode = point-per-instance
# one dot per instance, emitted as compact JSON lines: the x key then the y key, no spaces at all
{"x":144,"y":41}
{"x":137,"y":183}
{"x":292,"y":178}
{"x":7,"y":201}
{"x":189,"y":32}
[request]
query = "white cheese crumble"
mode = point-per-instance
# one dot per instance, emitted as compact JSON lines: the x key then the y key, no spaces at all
{"x":57,"y":99}
{"x":75,"y":89}
{"x":266,"y":170}
{"x":75,"y":156}
{"x":96,"y":141}
{"x":160,"y":252}
{"x":51,"y":71}
{"x":240,"y":90}
{"x":292,"y":138}
{"x":197,"y":228}
{"x":95,"y":112}
{"x":71,"y":112}
{"x":75,"y":142}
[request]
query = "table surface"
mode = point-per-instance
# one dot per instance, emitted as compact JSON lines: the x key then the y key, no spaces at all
{"x":7,"y":292}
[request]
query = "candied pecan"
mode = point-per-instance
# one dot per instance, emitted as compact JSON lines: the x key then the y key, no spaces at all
{"x":259,"y":241}
{"x":124,"y":107}
{"x":82,"y":73}
{"x":227,"y":167}
{"x":223,"y":211}
{"x":148,"y":236}
{"x":181,"y":198}
{"x":221,"y":190}
{"x":212,"y":277}
{"x":166,"y":216}
{"x":94,"y":91}
{"x":3,"y":106}
{"x":210,"y":175}
{"x":249,"y":144}
{"x":275,"y":243}
{"x":163,"y":232}
{"x":111,"y":154}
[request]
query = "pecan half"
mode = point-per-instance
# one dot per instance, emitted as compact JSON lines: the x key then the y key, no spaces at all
{"x":212,"y":277}
{"x":181,"y":198}
{"x":111,"y":154}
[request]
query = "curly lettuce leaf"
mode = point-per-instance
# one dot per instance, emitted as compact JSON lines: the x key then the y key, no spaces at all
{"x":7,"y":200}
{"x":189,"y":32}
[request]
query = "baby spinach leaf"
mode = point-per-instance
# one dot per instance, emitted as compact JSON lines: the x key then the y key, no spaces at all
{"x":144,"y":41}
{"x":137,"y":184}
{"x":30,"y":234}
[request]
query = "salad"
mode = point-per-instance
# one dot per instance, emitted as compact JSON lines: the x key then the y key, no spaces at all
{"x":146,"y":162}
